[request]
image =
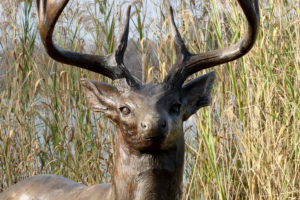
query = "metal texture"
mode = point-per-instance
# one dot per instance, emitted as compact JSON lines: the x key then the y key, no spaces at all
{"x":150,"y":149}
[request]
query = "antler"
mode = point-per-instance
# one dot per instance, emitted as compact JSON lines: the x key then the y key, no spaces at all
{"x":188,"y":64}
{"x":111,"y":65}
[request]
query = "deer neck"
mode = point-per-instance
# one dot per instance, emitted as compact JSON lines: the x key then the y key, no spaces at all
{"x":148,"y":175}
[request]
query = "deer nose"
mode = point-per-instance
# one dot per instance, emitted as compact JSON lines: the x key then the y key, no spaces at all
{"x":145,"y":125}
{"x":162,"y":124}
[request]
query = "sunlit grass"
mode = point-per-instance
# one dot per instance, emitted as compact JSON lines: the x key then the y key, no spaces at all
{"x":244,"y":146}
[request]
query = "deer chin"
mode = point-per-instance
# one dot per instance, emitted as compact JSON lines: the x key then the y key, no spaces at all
{"x":151,"y":143}
{"x":162,"y":142}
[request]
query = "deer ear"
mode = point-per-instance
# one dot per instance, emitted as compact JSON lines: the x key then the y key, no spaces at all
{"x":101,"y":97}
{"x":196,"y":94}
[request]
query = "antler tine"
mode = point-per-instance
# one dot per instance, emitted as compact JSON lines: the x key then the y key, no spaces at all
{"x":197,"y":62}
{"x":181,"y":51}
{"x":108,"y":65}
{"x":182,"y":54}
{"x":120,"y":52}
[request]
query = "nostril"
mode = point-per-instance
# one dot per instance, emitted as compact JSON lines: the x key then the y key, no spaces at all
{"x":144,"y":125}
{"x":163,"y":123}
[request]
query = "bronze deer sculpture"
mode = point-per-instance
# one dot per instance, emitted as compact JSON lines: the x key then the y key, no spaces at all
{"x":150,"y":149}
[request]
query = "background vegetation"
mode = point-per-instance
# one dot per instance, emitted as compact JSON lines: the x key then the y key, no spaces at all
{"x":244,"y":146}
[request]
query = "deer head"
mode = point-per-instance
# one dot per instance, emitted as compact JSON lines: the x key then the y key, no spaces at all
{"x":149,"y":116}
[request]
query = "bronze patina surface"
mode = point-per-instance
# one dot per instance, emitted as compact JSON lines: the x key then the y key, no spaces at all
{"x":150,"y":149}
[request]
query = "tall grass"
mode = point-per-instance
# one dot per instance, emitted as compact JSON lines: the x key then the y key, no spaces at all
{"x":244,"y":146}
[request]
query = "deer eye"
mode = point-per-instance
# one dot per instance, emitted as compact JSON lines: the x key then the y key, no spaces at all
{"x":125,"y":110}
{"x":175,"y":108}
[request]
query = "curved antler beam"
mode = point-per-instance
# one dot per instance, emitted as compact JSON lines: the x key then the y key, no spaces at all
{"x":109,"y":65}
{"x":196,"y":62}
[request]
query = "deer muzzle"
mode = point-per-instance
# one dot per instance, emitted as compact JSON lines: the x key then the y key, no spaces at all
{"x":154,"y":128}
